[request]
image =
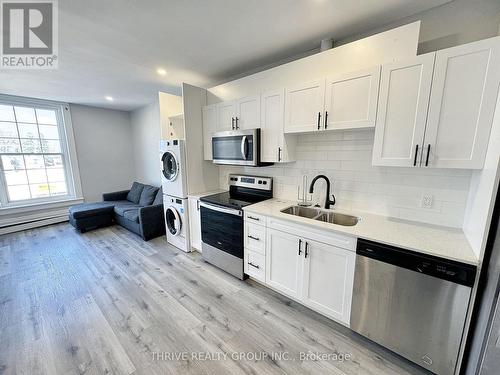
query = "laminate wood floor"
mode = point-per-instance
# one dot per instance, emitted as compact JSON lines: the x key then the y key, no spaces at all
{"x":106,"y":302}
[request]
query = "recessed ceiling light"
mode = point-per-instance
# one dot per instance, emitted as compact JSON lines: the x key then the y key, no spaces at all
{"x":161,"y":71}
{"x":109,"y":98}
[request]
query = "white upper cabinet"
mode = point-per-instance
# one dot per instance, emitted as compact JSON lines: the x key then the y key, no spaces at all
{"x":328,"y":279}
{"x":283,"y":262}
{"x":402,"y":111}
{"x":248,"y":113}
{"x":449,"y":98}
{"x":209,"y":127}
{"x":226,"y":113}
{"x":276,"y":147}
{"x":464,"y":92}
{"x":351,"y":99}
{"x":304,"y":105}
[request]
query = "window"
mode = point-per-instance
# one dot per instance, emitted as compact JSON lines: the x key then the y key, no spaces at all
{"x":34,"y":159}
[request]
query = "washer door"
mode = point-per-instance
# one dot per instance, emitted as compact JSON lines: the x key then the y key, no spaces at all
{"x":173,"y":220}
{"x":170,"y":166}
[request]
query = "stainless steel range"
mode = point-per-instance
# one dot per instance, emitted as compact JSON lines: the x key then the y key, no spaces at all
{"x":222,"y":220}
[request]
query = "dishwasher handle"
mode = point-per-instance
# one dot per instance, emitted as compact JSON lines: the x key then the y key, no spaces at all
{"x":457,"y":272}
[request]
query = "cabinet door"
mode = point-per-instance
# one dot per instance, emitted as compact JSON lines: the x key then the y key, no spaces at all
{"x":401,"y":118}
{"x":209,"y":127}
{"x":304,"y":106}
{"x":462,"y":105}
{"x":226,"y":113}
{"x":195,"y":223}
{"x":283,"y":262}
{"x":248,"y":113}
{"x":351,"y":99}
{"x":328,"y":279}
{"x":272,"y":113}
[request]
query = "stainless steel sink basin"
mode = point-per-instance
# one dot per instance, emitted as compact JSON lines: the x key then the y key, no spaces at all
{"x":307,"y":212}
{"x":339,"y":219}
{"x":322,"y":215}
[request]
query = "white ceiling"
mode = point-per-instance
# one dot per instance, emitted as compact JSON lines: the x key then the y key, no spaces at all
{"x":114,"y":47}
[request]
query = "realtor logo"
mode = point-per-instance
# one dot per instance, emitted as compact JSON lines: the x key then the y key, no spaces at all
{"x":29,"y":34}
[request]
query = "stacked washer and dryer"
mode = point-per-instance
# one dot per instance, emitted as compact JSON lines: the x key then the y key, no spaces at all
{"x":174,"y":185}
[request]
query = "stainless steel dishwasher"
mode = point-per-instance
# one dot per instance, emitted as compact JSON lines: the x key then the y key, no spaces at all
{"x":413,"y":304}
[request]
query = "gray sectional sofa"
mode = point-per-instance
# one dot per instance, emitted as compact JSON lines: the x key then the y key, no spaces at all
{"x":139,"y":209}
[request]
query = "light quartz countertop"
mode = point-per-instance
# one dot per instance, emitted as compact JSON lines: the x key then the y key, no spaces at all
{"x":205,"y":193}
{"x":444,"y":242}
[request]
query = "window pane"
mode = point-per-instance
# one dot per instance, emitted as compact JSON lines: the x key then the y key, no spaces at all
{"x":56,"y":175}
{"x":15,"y":177}
{"x":34,"y":161}
{"x":25,"y":114}
{"x":20,"y":192}
{"x":48,"y":131}
{"x":9,"y":145}
{"x":39,"y":190}
{"x":28,"y":130}
{"x":58,"y":188}
{"x":8,"y":130}
{"x":51,"y":147}
{"x":36,"y":176}
{"x":31,"y":146}
{"x":7,"y":113}
{"x":46,"y":116}
{"x":11,"y":162}
{"x":53,"y":161}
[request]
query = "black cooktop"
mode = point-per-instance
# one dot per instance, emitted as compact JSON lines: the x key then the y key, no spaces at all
{"x":237,"y":201}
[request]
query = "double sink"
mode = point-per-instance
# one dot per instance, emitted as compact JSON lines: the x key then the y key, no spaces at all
{"x":322,"y":215}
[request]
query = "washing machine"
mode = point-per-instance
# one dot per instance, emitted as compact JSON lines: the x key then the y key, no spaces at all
{"x":173,"y":157}
{"x":176,"y":221}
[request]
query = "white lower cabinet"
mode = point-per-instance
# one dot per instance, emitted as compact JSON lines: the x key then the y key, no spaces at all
{"x":327,"y":281}
{"x":317,"y":274}
{"x":194,"y":223}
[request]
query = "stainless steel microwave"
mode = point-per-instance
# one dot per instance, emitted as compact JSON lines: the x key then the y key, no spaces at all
{"x":237,"y":147}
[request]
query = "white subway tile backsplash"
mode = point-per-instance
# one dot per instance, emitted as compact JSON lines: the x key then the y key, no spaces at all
{"x":345,"y":158}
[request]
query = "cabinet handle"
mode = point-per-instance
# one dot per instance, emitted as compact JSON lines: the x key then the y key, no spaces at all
{"x":428,"y":153}
{"x":253,"y":265}
{"x":197,"y":205}
{"x":319,"y":120}
{"x":300,"y":246}
{"x":232,"y":123}
{"x":253,"y":218}
{"x":415,"y":159}
{"x":236,"y":122}
{"x":279,"y":153}
{"x":307,"y":248}
{"x":253,"y":238}
{"x":326,"y":119}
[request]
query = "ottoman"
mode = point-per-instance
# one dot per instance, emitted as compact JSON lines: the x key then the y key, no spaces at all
{"x":87,"y":216}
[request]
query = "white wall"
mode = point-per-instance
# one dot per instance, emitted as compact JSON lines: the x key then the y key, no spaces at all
{"x":103,"y":140}
{"x":345,"y":157}
{"x":145,"y":124}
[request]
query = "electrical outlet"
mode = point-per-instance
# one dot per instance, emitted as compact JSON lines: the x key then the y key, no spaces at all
{"x":427,"y":200}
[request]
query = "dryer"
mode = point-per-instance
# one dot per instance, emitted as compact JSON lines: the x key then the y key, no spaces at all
{"x":176,"y":221}
{"x":173,"y":164}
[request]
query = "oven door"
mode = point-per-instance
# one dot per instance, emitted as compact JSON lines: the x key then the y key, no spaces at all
{"x":236,"y":147}
{"x":222,"y":228}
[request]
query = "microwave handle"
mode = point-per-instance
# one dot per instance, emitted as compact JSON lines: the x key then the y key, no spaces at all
{"x":244,"y":150}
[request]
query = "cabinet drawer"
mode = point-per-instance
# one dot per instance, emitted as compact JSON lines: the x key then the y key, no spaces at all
{"x":255,"y":238}
{"x":255,"y":264}
{"x":255,"y":218}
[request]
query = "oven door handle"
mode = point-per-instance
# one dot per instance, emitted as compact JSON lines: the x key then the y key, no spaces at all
{"x":230,"y":211}
{"x":244,"y":147}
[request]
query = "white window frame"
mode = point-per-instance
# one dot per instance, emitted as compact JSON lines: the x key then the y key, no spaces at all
{"x":68,"y":151}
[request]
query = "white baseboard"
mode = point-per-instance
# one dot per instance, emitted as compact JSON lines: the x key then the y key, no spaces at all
{"x":33,"y":224}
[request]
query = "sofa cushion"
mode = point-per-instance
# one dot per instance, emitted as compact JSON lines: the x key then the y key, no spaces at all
{"x":158,"y":197}
{"x":148,"y":195}
{"x":134,"y":195}
{"x":121,"y":208}
{"x":132,"y":215}
{"x":83,"y":210}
